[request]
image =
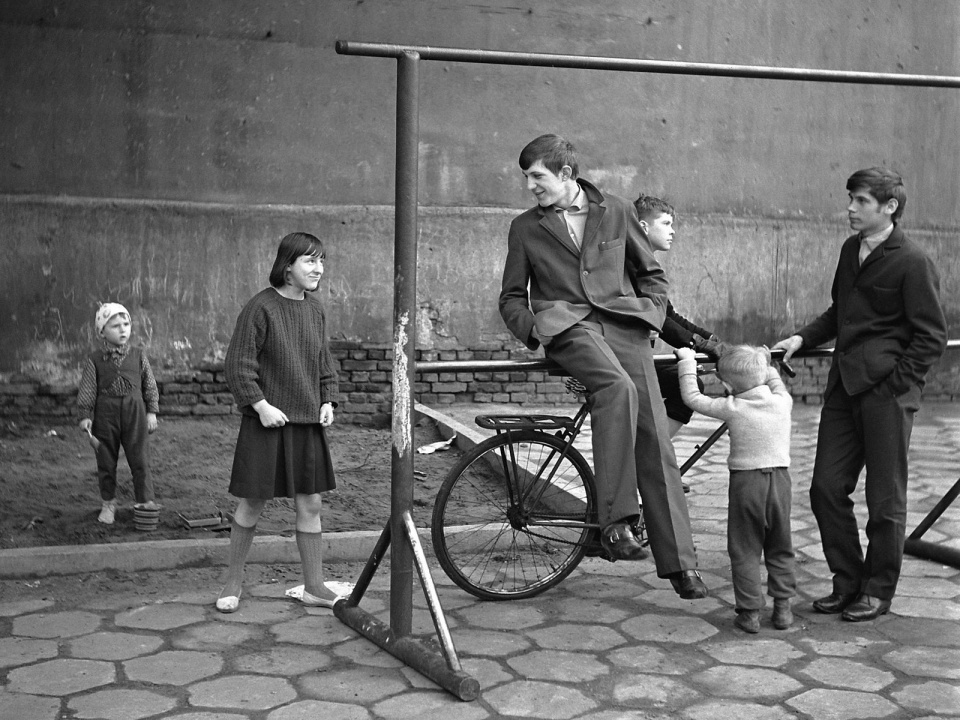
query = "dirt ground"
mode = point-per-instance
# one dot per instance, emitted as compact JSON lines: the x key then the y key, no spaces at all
{"x":48,"y":482}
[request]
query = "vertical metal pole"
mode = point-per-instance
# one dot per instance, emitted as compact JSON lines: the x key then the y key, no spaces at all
{"x":404,"y":339}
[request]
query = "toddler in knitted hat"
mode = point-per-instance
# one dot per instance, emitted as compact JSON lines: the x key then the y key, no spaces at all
{"x":106,"y":312}
{"x":118,"y":401}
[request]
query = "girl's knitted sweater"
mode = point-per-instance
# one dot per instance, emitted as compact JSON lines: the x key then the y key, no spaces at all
{"x":279,"y":352}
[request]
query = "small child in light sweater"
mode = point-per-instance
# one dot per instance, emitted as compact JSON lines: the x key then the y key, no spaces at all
{"x":758,"y":517}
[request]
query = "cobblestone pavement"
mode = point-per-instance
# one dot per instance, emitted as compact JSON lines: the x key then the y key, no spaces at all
{"x":611,"y":641}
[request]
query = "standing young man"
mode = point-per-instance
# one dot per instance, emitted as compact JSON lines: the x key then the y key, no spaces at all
{"x":581,"y":279}
{"x":889,"y":329}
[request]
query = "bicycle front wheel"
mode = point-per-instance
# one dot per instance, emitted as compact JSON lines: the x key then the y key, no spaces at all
{"x":511,"y":518}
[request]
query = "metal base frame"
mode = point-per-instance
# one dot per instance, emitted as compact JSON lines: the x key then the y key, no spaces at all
{"x":445,"y":669}
{"x":913,"y":545}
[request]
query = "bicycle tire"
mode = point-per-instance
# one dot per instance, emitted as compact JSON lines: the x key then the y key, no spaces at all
{"x":494,"y":546}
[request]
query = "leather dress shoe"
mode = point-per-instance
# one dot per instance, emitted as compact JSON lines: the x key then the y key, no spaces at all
{"x":834,"y":603}
{"x":866,"y":607}
{"x":688,"y":584}
{"x":620,"y":542}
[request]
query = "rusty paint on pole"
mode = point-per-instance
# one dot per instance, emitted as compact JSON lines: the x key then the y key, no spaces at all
{"x":402,"y":431}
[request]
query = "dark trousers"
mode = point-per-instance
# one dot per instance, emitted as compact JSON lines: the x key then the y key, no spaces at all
{"x":122,"y":422}
{"x":758,"y":523}
{"x":869,"y":430}
{"x":631,"y":444}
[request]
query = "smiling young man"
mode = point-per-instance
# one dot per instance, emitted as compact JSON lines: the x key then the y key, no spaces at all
{"x":889,"y":329}
{"x":581,"y":279}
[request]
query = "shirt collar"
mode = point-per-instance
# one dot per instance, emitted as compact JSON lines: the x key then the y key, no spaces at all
{"x":111,"y":350}
{"x":579,"y":203}
{"x":878,"y":237}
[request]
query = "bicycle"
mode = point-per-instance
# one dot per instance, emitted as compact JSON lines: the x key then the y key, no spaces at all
{"x":516,"y":514}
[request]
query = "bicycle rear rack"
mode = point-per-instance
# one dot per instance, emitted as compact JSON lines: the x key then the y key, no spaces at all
{"x":525,"y":422}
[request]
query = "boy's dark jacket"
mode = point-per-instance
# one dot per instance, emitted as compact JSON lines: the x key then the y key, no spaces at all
{"x":886,"y":317}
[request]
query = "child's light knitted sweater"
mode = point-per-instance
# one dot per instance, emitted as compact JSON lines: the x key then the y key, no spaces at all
{"x":759,"y":419}
{"x":279,"y":352}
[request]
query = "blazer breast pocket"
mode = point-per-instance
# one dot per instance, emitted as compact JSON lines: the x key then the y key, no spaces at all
{"x":606,"y":245}
{"x":885,"y":301}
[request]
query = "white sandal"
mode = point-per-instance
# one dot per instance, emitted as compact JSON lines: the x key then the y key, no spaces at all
{"x":300,"y":593}
{"x":228,"y":603}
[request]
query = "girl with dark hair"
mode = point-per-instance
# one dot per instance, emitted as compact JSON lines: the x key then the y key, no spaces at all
{"x":281,"y":373}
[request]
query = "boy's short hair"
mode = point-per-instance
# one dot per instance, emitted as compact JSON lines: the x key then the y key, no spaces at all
{"x":883,"y":184}
{"x":743,"y":366}
{"x":554,"y":151}
{"x":106,"y":311}
{"x":647,"y":206}
{"x":291,"y":247}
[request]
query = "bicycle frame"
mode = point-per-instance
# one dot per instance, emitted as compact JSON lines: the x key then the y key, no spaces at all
{"x":567,"y":431}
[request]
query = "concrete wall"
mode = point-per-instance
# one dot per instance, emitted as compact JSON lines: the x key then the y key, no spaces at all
{"x":154,"y":152}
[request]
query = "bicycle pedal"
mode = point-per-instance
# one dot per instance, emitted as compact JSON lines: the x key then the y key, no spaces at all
{"x":640,"y":530}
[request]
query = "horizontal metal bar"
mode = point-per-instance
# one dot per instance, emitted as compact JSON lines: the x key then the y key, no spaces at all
{"x":538,"y":364}
{"x":670,"y":67}
{"x":543,"y":364}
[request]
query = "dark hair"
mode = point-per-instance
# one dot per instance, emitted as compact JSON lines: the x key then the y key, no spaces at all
{"x":647,"y":206}
{"x":554,"y":151}
{"x":291,"y":247}
{"x":883,"y":184}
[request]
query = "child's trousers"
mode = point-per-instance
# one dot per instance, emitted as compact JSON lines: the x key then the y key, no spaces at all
{"x":758,"y":522}
{"x":122,"y":422}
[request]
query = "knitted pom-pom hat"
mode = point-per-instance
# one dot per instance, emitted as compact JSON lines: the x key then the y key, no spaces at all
{"x":107,"y":311}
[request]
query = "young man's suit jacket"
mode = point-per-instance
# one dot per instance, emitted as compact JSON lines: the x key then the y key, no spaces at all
{"x":886,"y":317}
{"x":614,"y":272}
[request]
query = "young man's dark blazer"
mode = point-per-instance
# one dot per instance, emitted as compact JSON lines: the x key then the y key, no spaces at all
{"x":886,"y":317}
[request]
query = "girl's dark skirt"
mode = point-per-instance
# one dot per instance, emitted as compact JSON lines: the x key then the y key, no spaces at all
{"x":280,"y":462}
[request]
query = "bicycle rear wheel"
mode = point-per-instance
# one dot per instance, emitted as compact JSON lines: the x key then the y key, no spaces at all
{"x":511,"y":518}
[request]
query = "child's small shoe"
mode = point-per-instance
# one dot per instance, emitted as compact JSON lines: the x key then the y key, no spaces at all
{"x":782,"y":614}
{"x":228,"y":603}
{"x":748,"y":620}
{"x":150,"y":505}
{"x":107,"y":512}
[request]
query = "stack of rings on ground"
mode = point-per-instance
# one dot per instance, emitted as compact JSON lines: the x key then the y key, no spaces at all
{"x":146,"y":519}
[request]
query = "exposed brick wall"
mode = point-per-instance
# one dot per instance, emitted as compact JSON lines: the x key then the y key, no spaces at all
{"x":366,"y":389}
